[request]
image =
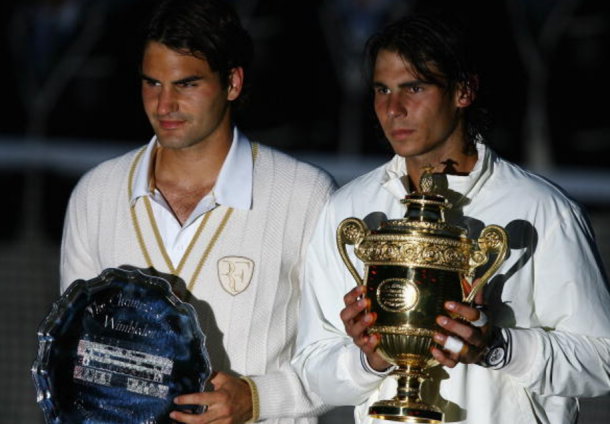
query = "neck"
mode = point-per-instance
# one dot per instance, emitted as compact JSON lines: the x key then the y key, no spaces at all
{"x":185,"y":176}
{"x":191,"y":167}
{"x":452,"y":162}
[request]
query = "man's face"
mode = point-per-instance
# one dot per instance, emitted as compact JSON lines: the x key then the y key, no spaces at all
{"x":419,"y":119}
{"x":183,"y":98}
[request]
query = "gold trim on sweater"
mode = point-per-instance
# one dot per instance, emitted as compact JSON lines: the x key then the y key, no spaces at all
{"x":256,"y":403}
{"x":153,"y":222}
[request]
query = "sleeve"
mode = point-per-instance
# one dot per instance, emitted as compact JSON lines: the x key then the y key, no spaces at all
{"x":327,"y":359}
{"x":283,"y":393}
{"x":76,"y":254}
{"x":569,"y":354}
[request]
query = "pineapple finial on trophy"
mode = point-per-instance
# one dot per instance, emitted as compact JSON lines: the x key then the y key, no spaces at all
{"x":426,"y":204}
{"x":426,"y":182}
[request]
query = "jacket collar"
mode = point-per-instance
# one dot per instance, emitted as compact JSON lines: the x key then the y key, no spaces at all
{"x":395,"y":178}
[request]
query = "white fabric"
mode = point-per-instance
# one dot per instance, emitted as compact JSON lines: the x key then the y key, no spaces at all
{"x":233,"y":188}
{"x":550,"y":292}
{"x":251,"y":330}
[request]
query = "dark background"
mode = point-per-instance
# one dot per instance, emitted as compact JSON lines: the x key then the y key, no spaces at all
{"x":70,"y":98}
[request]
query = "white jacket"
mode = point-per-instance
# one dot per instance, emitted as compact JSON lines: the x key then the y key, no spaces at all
{"x":551,"y":293}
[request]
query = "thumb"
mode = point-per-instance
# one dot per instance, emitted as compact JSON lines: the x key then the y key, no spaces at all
{"x":217,"y":379}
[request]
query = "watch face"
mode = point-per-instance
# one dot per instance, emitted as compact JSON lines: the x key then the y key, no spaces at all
{"x":496,"y":356}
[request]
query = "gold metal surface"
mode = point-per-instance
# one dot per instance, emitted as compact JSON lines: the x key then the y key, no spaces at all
{"x":416,"y":251}
{"x":412,"y":267}
{"x":424,"y":227}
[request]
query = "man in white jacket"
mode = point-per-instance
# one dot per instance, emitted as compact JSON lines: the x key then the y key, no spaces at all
{"x":548,"y":306}
{"x":227,"y":218}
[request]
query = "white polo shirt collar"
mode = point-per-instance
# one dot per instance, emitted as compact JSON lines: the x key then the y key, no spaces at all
{"x":233,"y":187}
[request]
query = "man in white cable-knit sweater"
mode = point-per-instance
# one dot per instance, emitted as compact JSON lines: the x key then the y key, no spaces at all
{"x":228,"y":218}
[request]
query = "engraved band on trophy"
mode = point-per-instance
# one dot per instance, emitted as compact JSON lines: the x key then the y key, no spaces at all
{"x":118,"y":349}
{"x":413,"y":266}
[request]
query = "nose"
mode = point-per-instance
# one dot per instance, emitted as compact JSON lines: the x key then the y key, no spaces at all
{"x":395,"y":106}
{"x":167,"y":102}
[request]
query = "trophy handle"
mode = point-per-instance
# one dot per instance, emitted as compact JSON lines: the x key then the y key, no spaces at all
{"x":493,"y":239}
{"x":351,"y":231}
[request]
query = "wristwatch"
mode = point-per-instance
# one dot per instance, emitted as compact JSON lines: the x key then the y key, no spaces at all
{"x":497,"y":354}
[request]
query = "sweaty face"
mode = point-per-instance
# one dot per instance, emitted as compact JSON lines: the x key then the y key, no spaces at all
{"x":419,"y":119}
{"x":183,"y":98}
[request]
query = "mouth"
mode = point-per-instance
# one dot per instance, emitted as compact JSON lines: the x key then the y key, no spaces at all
{"x":172,"y":124}
{"x":402,"y":133}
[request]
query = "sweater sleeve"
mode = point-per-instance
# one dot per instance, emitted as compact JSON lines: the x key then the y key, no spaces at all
{"x":569,"y":354}
{"x":282,"y":394}
{"x":76,"y":254}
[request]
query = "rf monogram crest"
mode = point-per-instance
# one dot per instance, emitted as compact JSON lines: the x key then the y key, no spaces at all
{"x":235,"y":273}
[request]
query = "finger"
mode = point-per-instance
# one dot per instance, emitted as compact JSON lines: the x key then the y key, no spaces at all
{"x":353,"y":295}
{"x":455,"y":350}
{"x":211,"y":414}
{"x":467,"y":312}
{"x":353,"y":309}
{"x":455,"y":345}
{"x":464,"y":331}
{"x":444,"y":358}
{"x":184,"y":417}
{"x":355,"y":314}
{"x":479,"y":299}
{"x":208,"y":400}
{"x":474,"y":315}
{"x":357,"y":329}
{"x":481,"y":321}
{"x":217,"y":379}
{"x":369,"y":343}
{"x":194,"y":399}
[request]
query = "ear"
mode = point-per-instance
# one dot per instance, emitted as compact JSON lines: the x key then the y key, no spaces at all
{"x":236,"y":83}
{"x":465,"y":93}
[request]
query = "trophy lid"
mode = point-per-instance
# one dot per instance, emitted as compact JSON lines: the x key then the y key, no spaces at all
{"x":425,"y":212}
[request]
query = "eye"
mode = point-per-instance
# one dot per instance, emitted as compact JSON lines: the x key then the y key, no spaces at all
{"x":382,"y":90}
{"x":189,"y":82}
{"x":416,"y":89}
{"x":151,"y":83}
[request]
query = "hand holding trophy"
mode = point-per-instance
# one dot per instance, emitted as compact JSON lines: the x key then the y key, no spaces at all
{"x":413,"y":266}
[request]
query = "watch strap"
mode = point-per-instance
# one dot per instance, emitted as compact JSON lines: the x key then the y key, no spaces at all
{"x":498,"y":353}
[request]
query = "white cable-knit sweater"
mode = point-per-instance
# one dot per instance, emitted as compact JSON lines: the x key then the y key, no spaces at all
{"x":250,"y":322}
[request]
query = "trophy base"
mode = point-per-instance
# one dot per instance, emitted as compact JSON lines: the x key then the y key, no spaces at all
{"x":405,"y":411}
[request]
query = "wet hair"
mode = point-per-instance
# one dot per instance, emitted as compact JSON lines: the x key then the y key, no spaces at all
{"x":435,"y":45}
{"x":206,"y":29}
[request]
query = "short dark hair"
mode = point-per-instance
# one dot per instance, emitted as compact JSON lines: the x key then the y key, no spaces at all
{"x":207,"y":29}
{"x":436,"y":45}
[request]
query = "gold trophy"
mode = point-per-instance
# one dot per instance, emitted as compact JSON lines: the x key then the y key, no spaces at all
{"x":412,"y":267}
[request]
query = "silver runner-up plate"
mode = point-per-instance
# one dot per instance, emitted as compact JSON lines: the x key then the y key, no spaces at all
{"x":117,"y":349}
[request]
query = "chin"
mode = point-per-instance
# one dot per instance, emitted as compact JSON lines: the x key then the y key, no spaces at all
{"x":404,"y":151}
{"x":170,"y":142}
{"x":411,"y":149}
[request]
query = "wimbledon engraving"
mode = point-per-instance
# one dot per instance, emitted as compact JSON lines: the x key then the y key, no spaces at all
{"x":129,"y":327}
{"x":105,"y":365}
